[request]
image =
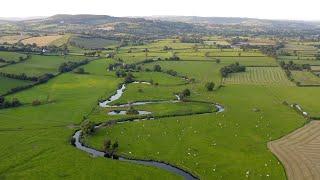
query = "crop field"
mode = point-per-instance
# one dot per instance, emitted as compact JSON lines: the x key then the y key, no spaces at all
{"x":92,"y":43}
{"x":8,"y":83}
{"x":12,"y":39}
{"x":61,"y":41}
{"x":39,"y":65}
{"x":42,"y":40}
{"x":259,"y":75}
{"x":305,"y":78}
{"x":11,"y":56}
{"x":299,"y":152}
{"x":315,"y":68}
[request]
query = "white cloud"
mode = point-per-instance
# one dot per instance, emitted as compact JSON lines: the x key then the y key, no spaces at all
{"x":270,"y":9}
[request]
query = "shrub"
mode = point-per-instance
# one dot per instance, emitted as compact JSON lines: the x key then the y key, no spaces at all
{"x":210,"y":86}
{"x":87,"y":127}
{"x":157,"y":68}
{"x":36,"y":102}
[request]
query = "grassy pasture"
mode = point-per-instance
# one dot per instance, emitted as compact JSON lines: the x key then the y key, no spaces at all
{"x":7,"y":83}
{"x":39,"y":65}
{"x":42,"y":40}
{"x":11,"y":56}
{"x":201,"y":71}
{"x":92,"y":43}
{"x":259,"y":75}
{"x":35,"y":140}
{"x":161,"y":78}
{"x":305,"y":78}
{"x":162,"y":109}
{"x":207,"y":144}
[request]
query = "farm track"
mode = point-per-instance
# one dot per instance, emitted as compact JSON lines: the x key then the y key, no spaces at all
{"x":299,"y":152}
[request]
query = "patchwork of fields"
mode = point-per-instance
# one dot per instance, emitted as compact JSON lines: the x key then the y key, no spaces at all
{"x":187,"y":133}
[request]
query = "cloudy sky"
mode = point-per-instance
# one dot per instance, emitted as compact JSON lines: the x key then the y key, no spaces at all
{"x":268,"y":9}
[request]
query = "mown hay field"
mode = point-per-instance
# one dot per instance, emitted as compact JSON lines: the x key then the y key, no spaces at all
{"x":12,"y":38}
{"x":42,"y":40}
{"x":259,"y":75}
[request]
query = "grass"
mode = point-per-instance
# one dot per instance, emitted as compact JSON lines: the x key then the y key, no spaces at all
{"x":305,"y":78}
{"x":259,"y":75}
{"x":207,"y":144}
{"x":201,"y":71}
{"x":92,"y":43}
{"x":35,"y":140}
{"x":11,"y":56}
{"x":8,"y":83}
{"x":38,"y":65}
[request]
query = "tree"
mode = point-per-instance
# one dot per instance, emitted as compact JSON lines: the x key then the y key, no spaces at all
{"x":218,"y":61}
{"x":107,"y":145}
{"x":1,"y":99}
{"x":87,"y":127}
{"x":210,"y":86}
{"x":157,"y":68}
{"x":80,"y":71}
{"x":129,"y":78}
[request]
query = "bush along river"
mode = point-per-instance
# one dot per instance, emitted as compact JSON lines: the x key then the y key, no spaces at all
{"x":163,"y":165}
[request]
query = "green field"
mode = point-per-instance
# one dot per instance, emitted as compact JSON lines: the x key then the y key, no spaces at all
{"x":38,"y":65}
{"x":92,"y":43}
{"x":8,"y":83}
{"x":11,"y":56}
{"x":259,"y":75}
{"x":305,"y":78}
{"x":42,"y":133}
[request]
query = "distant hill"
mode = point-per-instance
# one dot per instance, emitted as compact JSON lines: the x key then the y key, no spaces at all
{"x":235,"y":21}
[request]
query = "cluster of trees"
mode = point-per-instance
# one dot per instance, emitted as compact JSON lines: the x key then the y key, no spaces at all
{"x":21,"y":58}
{"x":172,"y":72}
{"x":184,"y":94}
{"x":157,"y":68}
{"x":110,"y":149}
{"x":132,"y":111}
{"x":91,"y":54}
{"x":69,"y":66}
{"x":80,"y":71}
{"x":173,"y":58}
{"x":295,"y":67}
{"x":21,"y":76}
{"x":232,"y":68}
{"x":190,"y":39}
{"x":9,"y":104}
{"x":38,"y":80}
{"x":20,"y":47}
{"x":167,"y":48}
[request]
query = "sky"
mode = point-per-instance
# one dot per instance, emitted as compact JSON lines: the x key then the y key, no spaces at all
{"x":263,"y":9}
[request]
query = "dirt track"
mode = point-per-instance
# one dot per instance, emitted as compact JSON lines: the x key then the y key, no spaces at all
{"x":299,"y":152}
